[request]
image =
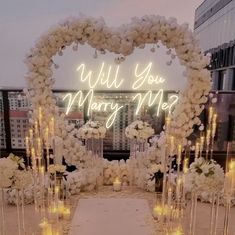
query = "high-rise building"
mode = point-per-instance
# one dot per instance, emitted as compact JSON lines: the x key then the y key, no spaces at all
{"x":215,"y":28}
{"x":19,"y":127}
{"x":18,"y":101}
{"x":2,"y":126}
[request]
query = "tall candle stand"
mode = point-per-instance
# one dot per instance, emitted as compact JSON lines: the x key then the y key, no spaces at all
{"x":229,"y":189}
{"x":3,"y":219}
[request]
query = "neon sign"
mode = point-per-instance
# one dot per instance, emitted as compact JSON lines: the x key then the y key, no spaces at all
{"x":107,"y":80}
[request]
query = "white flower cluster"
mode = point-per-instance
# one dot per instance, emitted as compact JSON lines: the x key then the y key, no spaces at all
{"x":13,"y":174}
{"x":139,"y":130}
{"x":122,"y":40}
{"x":116,"y":169}
{"x":7,"y":170}
{"x":144,"y":165}
{"x":205,"y":176}
{"x":82,"y":180}
{"x":11,"y":196}
{"x":92,"y":129}
{"x":22,"y":179}
{"x":52,"y":169}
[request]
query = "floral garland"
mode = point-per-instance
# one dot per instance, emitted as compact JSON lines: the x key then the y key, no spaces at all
{"x":92,"y":129}
{"x":122,"y":40}
{"x":205,"y":176}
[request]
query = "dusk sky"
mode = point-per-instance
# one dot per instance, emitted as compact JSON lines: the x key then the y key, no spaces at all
{"x":23,"y":21}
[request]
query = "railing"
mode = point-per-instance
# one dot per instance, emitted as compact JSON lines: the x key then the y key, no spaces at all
{"x":14,"y":120}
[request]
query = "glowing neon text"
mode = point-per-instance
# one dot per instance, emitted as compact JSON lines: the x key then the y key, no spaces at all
{"x":105,"y":78}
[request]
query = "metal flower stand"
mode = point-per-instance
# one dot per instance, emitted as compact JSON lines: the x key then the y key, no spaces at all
{"x":138,"y":146}
{"x":95,"y":146}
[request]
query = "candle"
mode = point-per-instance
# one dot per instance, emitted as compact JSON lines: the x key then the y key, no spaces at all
{"x":33,"y":158}
{"x":60,"y":206}
{"x":39,"y":148}
{"x":208,"y":137}
{"x":53,"y":212}
{"x":36,"y":128}
{"x":185,"y":166}
{"x":167,"y":121}
{"x":46,"y":227}
{"x":213,"y":130}
{"x":46,"y":137}
{"x":52,"y":126}
{"x":159,"y":211}
{"x":40,"y":116}
{"x":172,"y":140}
{"x":197,"y":150}
{"x":178,"y":187}
{"x":214,"y":119}
{"x":169,"y":197}
{"x":66,"y":213}
{"x":232,"y":172}
{"x":210,"y":114}
{"x":202,"y":141}
{"x":31,"y":136}
{"x":179,"y":154}
{"x":117,"y":185}
{"x":57,"y":189}
{"x":27,"y":149}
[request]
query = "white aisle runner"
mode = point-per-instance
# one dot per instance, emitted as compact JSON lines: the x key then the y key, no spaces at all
{"x":112,"y":217}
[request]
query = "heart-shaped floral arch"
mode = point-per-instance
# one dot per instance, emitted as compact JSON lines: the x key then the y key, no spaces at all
{"x":122,"y":40}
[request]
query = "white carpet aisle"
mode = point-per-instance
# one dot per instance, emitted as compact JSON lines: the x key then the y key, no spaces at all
{"x":112,"y":217}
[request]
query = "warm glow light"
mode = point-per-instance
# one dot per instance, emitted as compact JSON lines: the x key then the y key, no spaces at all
{"x":232,"y":166}
{"x":160,"y":210}
{"x":157,"y":100}
{"x":94,"y":106}
{"x":52,"y":126}
{"x":42,"y":170}
{"x":185,"y":166}
{"x":117,"y":181}
{"x":32,"y":152}
{"x":57,"y":189}
{"x":145,"y":77}
{"x":210,"y":114}
{"x":40,"y":116}
{"x":102,"y":79}
{"x":108,"y":77}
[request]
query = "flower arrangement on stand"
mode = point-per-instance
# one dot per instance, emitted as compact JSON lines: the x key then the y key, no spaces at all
{"x":93,"y":132}
{"x":138,"y":132}
{"x":205,"y":176}
{"x":92,"y":129}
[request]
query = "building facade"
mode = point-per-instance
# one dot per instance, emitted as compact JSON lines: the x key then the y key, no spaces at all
{"x":215,"y":29}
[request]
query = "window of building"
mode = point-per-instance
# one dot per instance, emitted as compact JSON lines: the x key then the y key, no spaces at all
{"x":222,"y":82}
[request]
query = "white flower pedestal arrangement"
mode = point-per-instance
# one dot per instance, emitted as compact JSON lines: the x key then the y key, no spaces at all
{"x":138,"y":132}
{"x":93,"y":133}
